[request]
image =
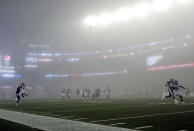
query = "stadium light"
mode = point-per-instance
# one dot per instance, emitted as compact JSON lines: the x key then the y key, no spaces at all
{"x":91,"y":21}
{"x":184,"y":1}
{"x":105,"y":18}
{"x":161,"y":5}
{"x":123,"y":14}
{"x":142,"y":9}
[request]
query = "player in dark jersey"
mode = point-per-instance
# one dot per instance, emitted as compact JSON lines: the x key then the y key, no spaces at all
{"x":171,"y":86}
{"x":20,"y":92}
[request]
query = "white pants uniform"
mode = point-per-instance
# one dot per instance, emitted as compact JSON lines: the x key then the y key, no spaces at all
{"x":177,"y":93}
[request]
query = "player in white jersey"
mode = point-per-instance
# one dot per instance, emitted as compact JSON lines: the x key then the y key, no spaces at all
{"x":177,"y":91}
{"x":170,"y":86}
{"x":107,"y":92}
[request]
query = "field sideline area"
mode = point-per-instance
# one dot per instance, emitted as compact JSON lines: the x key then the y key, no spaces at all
{"x":138,"y":114}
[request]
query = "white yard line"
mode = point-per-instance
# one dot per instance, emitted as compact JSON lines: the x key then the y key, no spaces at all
{"x":79,"y":119}
{"x":53,"y":124}
{"x":161,"y":103}
{"x":118,"y":107}
{"x":65,"y":117}
{"x":42,"y":114}
{"x":52,"y":115}
{"x":144,"y":116}
{"x":164,"y":103}
{"x":117,"y":124}
{"x":143,"y":127}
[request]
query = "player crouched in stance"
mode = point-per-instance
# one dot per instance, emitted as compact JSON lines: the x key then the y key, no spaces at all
{"x":20,"y":92}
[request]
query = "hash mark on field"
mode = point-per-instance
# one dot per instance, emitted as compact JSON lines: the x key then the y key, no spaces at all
{"x":117,"y":124}
{"x":143,"y":127}
{"x":144,"y":116}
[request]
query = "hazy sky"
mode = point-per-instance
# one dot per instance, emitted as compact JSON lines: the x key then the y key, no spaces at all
{"x":59,"y":23}
{"x":25,"y":21}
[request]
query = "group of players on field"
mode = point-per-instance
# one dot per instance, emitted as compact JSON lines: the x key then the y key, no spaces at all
{"x":86,"y":93}
{"x":172,"y":85}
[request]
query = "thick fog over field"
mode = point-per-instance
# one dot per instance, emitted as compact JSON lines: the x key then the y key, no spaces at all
{"x":131,"y":46}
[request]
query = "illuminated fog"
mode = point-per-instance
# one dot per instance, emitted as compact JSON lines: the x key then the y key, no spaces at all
{"x":132,"y":46}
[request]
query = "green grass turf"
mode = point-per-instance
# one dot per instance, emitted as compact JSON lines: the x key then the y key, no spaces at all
{"x":102,"y":109}
{"x":12,"y":126}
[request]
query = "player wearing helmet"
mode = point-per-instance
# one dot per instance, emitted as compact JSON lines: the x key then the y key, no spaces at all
{"x":20,"y":92}
{"x":177,"y":91}
{"x":170,"y":85}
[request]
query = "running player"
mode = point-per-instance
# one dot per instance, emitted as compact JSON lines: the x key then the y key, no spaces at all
{"x":177,"y":91}
{"x":171,"y":86}
{"x":20,"y":92}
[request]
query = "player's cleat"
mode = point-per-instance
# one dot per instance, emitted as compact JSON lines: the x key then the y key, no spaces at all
{"x":163,"y":96}
{"x":175,"y":101}
{"x":183,"y":102}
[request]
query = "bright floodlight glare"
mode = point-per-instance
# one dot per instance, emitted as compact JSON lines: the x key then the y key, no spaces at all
{"x":105,"y":18}
{"x":123,"y":14}
{"x":184,"y":1}
{"x":91,"y":21}
{"x":142,"y":9}
{"x":161,"y":4}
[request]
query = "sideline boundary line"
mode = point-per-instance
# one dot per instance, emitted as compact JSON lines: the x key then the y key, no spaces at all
{"x":54,"y":124}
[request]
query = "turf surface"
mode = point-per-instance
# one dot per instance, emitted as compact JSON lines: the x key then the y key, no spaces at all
{"x":152,"y":114}
{"x":12,"y":126}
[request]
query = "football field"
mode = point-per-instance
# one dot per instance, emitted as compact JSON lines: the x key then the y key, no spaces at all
{"x":139,"y":114}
